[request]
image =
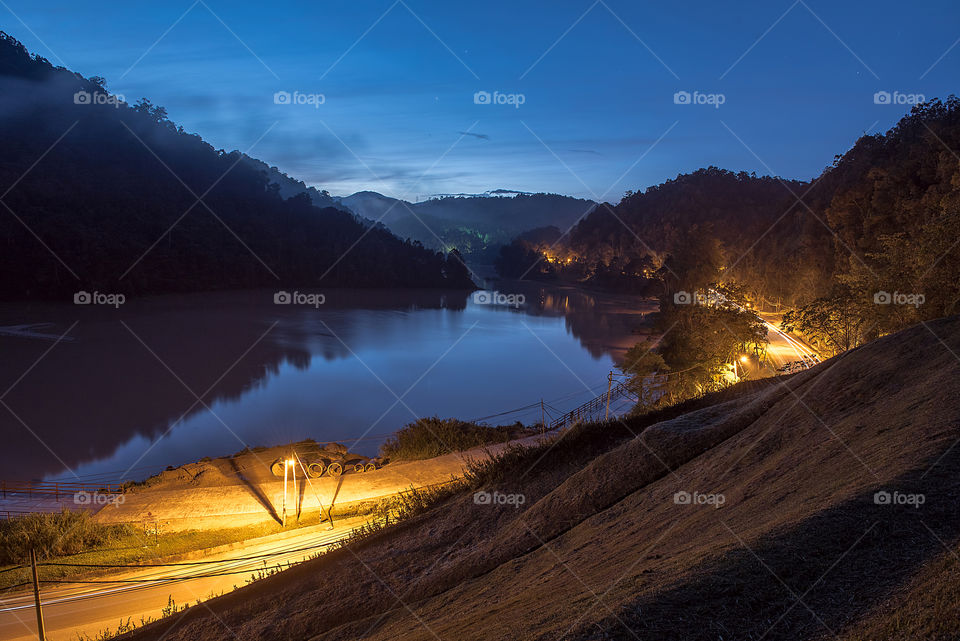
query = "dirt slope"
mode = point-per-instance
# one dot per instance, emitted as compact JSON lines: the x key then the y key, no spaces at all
{"x":783,"y":537}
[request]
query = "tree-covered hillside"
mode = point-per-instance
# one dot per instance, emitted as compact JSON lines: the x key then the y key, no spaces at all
{"x":100,"y":194}
{"x":869,"y":246}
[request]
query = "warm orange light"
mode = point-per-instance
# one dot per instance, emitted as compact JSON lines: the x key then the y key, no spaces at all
{"x":744,"y":359}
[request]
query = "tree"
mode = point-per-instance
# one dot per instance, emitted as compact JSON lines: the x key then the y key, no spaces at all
{"x":835,"y":323}
{"x":697,"y":347}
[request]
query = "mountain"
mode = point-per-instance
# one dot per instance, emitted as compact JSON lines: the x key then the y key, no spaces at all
{"x":745,"y":514}
{"x":475,"y":225}
{"x":106,"y":196}
{"x":761,"y":234}
{"x":290,"y":187}
{"x":866,"y":248}
{"x":376,"y":207}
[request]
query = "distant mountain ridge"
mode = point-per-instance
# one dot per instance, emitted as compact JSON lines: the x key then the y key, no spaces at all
{"x":475,"y":225}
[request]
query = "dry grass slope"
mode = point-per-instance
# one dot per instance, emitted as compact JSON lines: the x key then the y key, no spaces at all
{"x":600,"y":549}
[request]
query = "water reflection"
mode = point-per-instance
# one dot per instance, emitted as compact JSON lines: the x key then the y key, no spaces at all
{"x":171,"y":379}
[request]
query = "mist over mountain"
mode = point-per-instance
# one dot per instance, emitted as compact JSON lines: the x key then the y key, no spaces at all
{"x":290,"y":187}
{"x":475,"y":225}
{"x":104,"y":195}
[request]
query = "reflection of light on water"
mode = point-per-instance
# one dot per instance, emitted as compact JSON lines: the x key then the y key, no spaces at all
{"x":468,"y":362}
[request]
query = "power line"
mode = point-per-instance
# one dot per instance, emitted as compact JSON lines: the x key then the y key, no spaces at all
{"x":253,"y":557}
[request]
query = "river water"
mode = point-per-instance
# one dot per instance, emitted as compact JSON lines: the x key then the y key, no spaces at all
{"x":168,"y":380}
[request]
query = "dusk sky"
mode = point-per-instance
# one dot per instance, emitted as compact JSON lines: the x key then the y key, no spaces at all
{"x":597,"y":81}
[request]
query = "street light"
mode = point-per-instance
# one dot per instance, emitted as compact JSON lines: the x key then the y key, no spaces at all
{"x":288,"y":464}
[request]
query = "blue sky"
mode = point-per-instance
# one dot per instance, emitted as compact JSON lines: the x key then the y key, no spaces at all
{"x":597,"y":81}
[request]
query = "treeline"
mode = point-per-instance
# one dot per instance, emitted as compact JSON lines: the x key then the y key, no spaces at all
{"x":479,"y":226}
{"x":867,"y":247}
{"x":105,"y":195}
{"x":895,"y":213}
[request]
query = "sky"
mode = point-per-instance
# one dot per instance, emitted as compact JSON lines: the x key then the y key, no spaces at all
{"x":589,"y":98}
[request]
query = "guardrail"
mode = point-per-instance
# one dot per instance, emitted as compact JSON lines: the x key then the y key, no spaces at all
{"x":56,"y":489}
{"x":591,"y":407}
{"x":7,"y":515}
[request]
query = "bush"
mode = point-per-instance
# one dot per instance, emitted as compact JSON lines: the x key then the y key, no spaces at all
{"x":429,"y":437}
{"x":52,"y":535}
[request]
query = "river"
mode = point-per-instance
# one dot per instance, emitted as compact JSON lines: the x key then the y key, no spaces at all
{"x":168,"y":380}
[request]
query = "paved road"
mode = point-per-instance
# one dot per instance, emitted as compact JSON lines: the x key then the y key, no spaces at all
{"x":783,"y":347}
{"x":87,"y":609}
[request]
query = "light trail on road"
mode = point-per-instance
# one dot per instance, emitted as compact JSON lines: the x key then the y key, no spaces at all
{"x":90,"y":605}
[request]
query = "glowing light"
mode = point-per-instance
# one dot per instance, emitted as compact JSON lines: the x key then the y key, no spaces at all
{"x":744,"y":359}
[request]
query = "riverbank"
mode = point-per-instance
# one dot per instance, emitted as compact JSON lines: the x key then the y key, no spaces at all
{"x":213,"y":505}
{"x":241,"y":490}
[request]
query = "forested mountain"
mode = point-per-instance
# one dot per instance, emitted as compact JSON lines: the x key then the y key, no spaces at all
{"x":290,"y":187}
{"x":475,"y":225}
{"x":736,"y":209}
{"x":884,"y":218}
{"x":99,"y":194}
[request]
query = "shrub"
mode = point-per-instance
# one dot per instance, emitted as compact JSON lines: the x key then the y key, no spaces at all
{"x":429,"y":437}
{"x":55,"y":534}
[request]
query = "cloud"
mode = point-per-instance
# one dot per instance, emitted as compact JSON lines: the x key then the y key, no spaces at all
{"x":480,"y":136}
{"x":584,"y":151}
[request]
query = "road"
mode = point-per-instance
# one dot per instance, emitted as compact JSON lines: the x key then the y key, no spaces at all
{"x":783,"y":347}
{"x":87,"y":609}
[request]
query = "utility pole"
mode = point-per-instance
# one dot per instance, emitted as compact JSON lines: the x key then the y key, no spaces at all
{"x":609,"y":385}
{"x":283,"y":517}
{"x":36,"y":595}
{"x":296,"y":497}
{"x":543,"y":425}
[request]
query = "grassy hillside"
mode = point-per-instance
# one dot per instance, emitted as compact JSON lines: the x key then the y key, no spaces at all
{"x":783,"y":535}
